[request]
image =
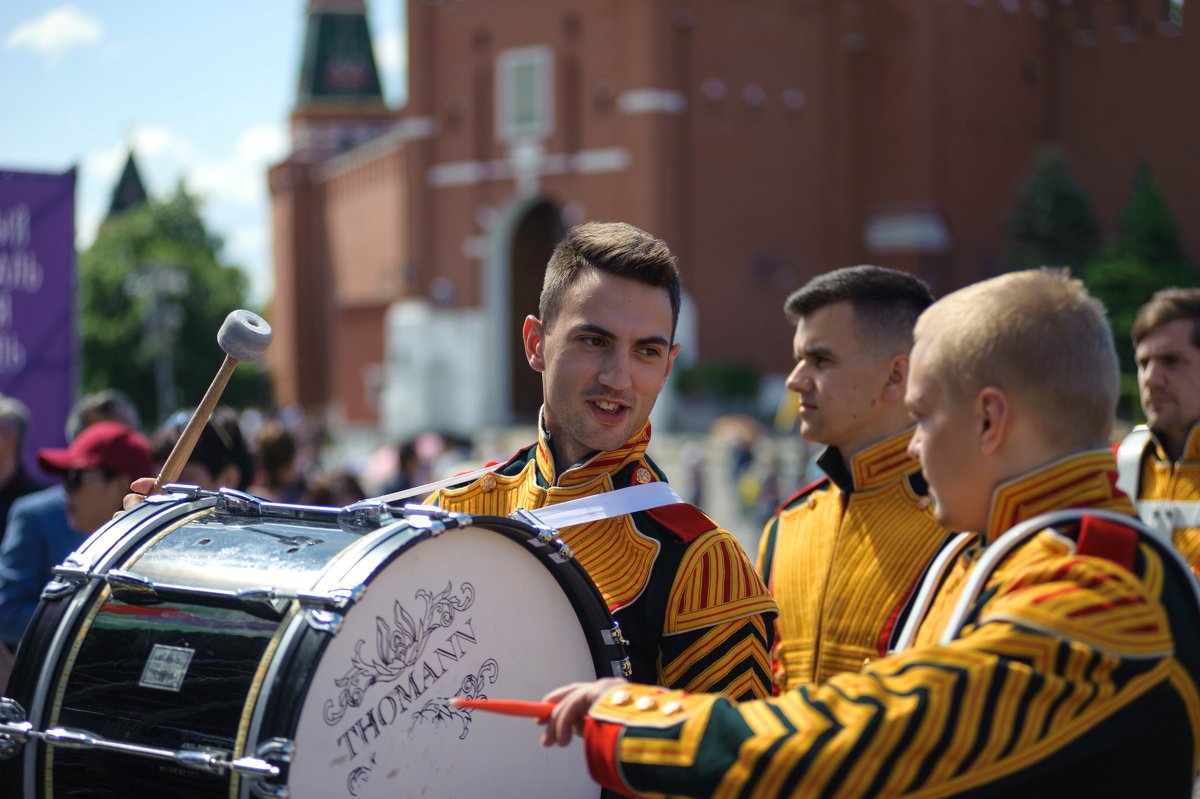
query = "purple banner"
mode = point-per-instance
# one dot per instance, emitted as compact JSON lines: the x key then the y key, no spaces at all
{"x":37,"y":301}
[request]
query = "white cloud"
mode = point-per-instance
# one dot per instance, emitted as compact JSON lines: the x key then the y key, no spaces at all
{"x":55,"y":33}
{"x":263,"y":145}
{"x":391,"y":51}
{"x":391,"y":58}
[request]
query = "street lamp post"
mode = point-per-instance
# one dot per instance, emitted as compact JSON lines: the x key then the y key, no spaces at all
{"x":159,"y":286}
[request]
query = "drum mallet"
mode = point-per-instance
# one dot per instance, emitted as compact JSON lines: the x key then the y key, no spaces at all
{"x":244,"y":336}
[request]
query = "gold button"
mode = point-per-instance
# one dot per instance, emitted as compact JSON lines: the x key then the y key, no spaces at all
{"x":672,"y":707}
{"x":646,"y":703}
{"x":642,"y":475}
{"x":620,"y":698}
{"x":487,"y":483}
{"x":866,"y":662}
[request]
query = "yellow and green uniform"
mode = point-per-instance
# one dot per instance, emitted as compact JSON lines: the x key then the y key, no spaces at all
{"x":842,"y":556}
{"x":1162,"y":480}
{"x":1073,"y":675}
{"x":695,"y":614}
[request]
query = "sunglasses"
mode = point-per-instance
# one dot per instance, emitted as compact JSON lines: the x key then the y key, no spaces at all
{"x":75,"y":478}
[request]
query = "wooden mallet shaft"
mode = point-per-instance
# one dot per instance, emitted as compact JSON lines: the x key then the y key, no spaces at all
{"x":244,"y":336}
{"x":195,"y":426}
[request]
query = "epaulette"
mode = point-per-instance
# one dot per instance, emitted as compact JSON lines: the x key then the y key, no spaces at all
{"x":683,"y":521}
{"x":1102,"y":538}
{"x":802,"y":493}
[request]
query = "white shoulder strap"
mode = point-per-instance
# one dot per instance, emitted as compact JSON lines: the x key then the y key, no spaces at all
{"x":600,"y":506}
{"x":934,"y":574}
{"x":1167,"y":515}
{"x":1005,"y":544}
{"x":1129,"y":460}
{"x":422,"y":491}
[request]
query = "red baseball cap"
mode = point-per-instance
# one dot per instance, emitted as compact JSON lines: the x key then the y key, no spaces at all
{"x":103,"y":445}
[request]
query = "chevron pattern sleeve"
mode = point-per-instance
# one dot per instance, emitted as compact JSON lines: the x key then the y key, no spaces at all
{"x":1061,"y":659}
{"x":717,"y":631}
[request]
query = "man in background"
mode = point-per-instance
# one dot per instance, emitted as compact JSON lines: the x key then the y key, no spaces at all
{"x":15,"y":481}
{"x":1160,"y":462}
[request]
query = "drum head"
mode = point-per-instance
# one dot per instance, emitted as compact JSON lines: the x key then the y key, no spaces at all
{"x":468,"y":613}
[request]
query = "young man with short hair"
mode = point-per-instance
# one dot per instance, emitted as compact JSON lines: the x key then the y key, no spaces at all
{"x":694,"y":612}
{"x":842,"y":556}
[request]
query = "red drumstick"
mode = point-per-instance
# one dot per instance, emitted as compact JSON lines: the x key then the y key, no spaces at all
{"x":507,"y":707}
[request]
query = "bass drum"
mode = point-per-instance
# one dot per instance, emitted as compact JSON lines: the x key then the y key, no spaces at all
{"x":211,"y":645}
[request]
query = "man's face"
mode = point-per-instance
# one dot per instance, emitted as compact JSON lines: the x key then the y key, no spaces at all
{"x":839,"y":379}
{"x":1169,"y":379}
{"x":93,"y":496}
{"x":946,"y":443}
{"x":603,"y":361}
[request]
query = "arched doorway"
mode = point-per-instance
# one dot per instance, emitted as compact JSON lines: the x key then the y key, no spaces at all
{"x":533,"y":240}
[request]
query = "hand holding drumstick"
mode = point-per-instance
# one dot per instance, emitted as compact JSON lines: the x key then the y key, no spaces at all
{"x":563,"y":710}
{"x":244,"y":336}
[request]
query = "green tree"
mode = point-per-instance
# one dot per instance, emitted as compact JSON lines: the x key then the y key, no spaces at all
{"x":130,"y":277}
{"x":1148,"y":255}
{"x":1053,"y":224}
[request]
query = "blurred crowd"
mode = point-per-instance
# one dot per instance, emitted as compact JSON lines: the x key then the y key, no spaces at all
{"x":46,"y":514}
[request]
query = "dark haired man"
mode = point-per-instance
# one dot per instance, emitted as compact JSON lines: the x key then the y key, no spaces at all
{"x":1160,"y":462}
{"x":842,"y":556}
{"x":686,"y":596}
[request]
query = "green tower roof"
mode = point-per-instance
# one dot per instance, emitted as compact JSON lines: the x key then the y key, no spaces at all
{"x":129,"y":192}
{"x":338,"y":63}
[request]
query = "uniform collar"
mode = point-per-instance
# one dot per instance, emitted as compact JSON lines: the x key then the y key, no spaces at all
{"x":878,"y":464}
{"x":1191,"y":447}
{"x":592,"y":465}
{"x":1080,"y":480}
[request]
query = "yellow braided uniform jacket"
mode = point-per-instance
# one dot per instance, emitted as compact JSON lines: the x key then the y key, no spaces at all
{"x":1073,"y":676}
{"x":694,"y":612}
{"x":1162,"y":478}
{"x":842,"y":559}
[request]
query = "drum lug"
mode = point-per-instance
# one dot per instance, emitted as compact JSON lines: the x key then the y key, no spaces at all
{"x":265,"y":771}
{"x":364,"y":515}
{"x":58,"y":589}
{"x":622,"y":668}
{"x":613,"y":635}
{"x":326,"y":611}
{"x":544,"y":534}
{"x":72,"y":576}
{"x":14,"y":729}
{"x":564,"y":553}
{"x":234,"y":501}
{"x":324,"y":621}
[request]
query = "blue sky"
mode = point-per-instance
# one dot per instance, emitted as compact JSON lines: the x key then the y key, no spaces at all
{"x":201,"y":91}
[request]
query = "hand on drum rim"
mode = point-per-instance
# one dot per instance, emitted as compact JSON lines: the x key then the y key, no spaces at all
{"x":571,"y":705}
{"x":138,"y":491}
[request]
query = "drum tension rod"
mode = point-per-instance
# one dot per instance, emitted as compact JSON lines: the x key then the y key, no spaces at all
{"x":15,"y":732}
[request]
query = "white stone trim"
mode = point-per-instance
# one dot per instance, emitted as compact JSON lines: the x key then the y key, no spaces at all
{"x":651,"y":101}
{"x":584,"y":162}
{"x":406,"y":130}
